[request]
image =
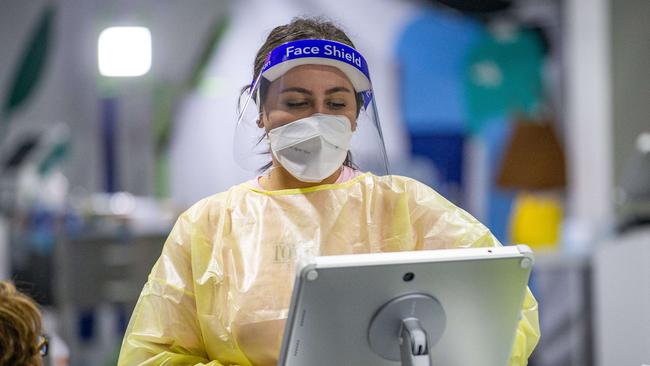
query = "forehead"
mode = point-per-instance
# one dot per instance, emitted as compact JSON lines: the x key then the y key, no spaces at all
{"x":314,"y":76}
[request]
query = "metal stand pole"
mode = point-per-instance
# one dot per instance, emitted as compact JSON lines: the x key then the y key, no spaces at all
{"x":414,"y":344}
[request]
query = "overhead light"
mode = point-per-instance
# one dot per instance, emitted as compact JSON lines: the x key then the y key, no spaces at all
{"x":643,"y":142}
{"x":124,"y":51}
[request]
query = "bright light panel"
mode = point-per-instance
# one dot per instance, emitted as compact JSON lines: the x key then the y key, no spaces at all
{"x":643,"y":142}
{"x":124,"y":51}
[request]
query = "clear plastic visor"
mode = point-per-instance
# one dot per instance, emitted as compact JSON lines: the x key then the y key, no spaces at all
{"x":317,"y":90}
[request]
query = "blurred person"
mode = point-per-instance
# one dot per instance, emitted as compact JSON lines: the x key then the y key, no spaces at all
{"x":21,"y":340}
{"x":220,"y":291}
{"x":58,"y":350}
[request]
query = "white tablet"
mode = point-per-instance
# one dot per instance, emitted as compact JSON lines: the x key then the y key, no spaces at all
{"x":449,"y":307}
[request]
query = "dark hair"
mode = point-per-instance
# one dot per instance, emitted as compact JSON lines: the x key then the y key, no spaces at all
{"x":299,"y":29}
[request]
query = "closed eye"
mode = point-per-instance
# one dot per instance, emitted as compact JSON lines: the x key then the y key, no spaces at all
{"x":296,"y":104}
{"x":336,"y":105}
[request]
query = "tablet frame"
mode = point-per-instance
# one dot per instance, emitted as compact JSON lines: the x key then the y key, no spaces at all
{"x":480,"y":289}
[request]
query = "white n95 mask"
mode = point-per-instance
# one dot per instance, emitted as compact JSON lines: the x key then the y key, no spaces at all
{"x":313,"y":148}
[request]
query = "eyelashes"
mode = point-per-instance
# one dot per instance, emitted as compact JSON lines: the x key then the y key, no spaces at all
{"x":301,"y":104}
{"x":296,"y":104}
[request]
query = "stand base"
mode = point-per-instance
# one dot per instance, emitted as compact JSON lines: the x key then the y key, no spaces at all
{"x":405,"y":328}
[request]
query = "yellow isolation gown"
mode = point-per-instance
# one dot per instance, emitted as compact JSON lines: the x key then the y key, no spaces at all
{"x":220,"y":291}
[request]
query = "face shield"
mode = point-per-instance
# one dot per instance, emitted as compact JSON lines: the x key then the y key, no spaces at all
{"x":311,"y":110}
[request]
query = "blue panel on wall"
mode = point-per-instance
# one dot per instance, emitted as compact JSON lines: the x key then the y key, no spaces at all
{"x":496,"y":134}
{"x":431,"y":52}
{"x":445,"y":150}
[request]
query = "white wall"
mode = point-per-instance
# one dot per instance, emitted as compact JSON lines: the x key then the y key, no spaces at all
{"x":630,"y":50}
{"x":588,"y":117}
{"x":69,"y":90}
{"x":622,"y":298}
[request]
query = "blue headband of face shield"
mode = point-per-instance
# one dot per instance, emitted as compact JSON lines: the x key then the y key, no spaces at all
{"x":319,"y":52}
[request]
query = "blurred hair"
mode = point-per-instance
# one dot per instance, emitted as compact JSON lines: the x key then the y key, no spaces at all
{"x":20,"y":328}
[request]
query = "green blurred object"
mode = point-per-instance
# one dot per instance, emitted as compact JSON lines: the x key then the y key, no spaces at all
{"x":28,"y":73}
{"x":165,"y":96}
{"x":218,"y":30}
{"x":57,"y":154}
{"x":163,"y":114}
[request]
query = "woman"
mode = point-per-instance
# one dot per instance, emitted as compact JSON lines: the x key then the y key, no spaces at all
{"x":21,"y":342}
{"x":220,"y":291}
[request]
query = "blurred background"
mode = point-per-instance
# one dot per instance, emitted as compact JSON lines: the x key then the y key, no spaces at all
{"x":534,"y":116}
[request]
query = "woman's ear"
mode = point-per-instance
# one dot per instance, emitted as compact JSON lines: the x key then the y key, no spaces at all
{"x":260,"y":122}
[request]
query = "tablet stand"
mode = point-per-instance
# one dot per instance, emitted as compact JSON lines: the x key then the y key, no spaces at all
{"x":406,"y":327}
{"x":413,"y":344}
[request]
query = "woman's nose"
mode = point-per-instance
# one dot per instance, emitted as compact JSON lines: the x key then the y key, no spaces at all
{"x":320,"y":108}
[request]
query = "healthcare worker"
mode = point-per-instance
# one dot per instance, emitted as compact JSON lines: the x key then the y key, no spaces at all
{"x":220,"y":292}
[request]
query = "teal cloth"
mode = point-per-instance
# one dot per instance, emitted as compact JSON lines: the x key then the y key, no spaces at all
{"x":503,"y":77}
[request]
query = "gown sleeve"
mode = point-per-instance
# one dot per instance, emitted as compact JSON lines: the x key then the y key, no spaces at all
{"x":440,"y":224}
{"x":164,"y":328}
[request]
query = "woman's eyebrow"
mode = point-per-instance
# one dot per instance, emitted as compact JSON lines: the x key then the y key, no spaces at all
{"x":338,"y":89}
{"x":333,"y":90}
{"x":296,"y":89}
